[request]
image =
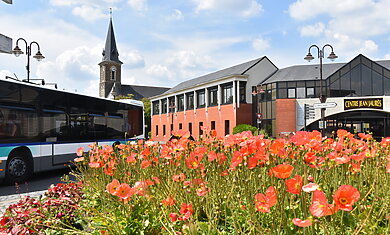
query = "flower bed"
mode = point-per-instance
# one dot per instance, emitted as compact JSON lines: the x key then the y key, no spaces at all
{"x":238,"y":184}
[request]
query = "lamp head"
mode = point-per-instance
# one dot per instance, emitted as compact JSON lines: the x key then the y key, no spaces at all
{"x":16,"y":51}
{"x":39,"y":56}
{"x":309,"y":57}
{"x":332,"y":56}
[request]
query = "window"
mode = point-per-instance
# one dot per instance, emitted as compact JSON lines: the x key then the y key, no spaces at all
{"x":164,"y":130}
{"x":190,"y":127}
{"x":180,"y":126}
{"x":200,"y":128}
{"x":171,"y":104}
{"x":227,"y":127}
{"x":301,"y":92}
{"x":201,"y":99}
{"x":242,"y":92}
{"x":113,"y":73}
{"x":156,"y":130}
{"x":227,"y":94}
{"x":164,"y":106}
{"x":213,"y":96}
{"x":310,"y":92}
{"x":212,"y":125}
{"x":190,"y":101}
{"x":156,"y":107}
{"x":171,"y":128}
{"x":180,"y":103}
{"x":291,"y":93}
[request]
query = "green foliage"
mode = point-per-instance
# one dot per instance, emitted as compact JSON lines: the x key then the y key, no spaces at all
{"x":244,"y":127}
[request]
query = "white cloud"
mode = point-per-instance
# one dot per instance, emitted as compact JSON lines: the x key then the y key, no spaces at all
{"x":160,"y":71}
{"x":351,"y":26}
{"x":308,"y":9}
{"x":260,"y":44}
{"x":313,"y":30}
{"x":189,"y":60}
{"x":88,"y":13}
{"x":132,"y":59}
{"x":138,"y":5}
{"x":176,"y":15}
{"x":245,"y":8}
{"x":86,"y":9}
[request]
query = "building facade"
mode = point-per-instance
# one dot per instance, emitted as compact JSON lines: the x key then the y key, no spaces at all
{"x":358,"y":98}
{"x":218,"y":101}
{"x":280,"y":101}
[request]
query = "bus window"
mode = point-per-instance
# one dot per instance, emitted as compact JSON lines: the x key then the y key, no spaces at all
{"x":18,"y":123}
{"x":54,"y":125}
{"x":115,"y":126}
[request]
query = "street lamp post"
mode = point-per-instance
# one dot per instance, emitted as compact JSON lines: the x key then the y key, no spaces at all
{"x":332,"y":56}
{"x":38,"y":56}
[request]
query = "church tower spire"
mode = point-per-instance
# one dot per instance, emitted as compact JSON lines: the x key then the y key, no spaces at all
{"x":110,"y":67}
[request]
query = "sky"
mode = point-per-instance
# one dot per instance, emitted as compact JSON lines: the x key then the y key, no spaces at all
{"x":165,"y":42}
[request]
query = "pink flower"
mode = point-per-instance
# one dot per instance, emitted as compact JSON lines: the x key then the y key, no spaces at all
{"x":80,"y":151}
{"x":302,"y":223}
{"x":310,"y":187}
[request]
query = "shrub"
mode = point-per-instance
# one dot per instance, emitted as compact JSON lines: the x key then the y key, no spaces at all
{"x":244,"y":127}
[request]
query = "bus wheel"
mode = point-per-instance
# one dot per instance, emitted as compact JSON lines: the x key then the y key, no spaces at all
{"x":19,"y":168}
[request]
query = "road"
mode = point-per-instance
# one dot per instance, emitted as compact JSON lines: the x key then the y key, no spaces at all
{"x":40,"y":181}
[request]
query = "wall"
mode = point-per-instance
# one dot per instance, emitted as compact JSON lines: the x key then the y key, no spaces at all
{"x":226,"y":112}
{"x":285,"y":116}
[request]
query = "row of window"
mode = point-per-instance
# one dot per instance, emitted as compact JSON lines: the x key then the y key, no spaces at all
{"x":190,"y":128}
{"x":200,"y":96}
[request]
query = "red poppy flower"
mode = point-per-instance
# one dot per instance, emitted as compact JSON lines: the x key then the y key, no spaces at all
{"x":111,"y":187}
{"x":263,"y":202}
{"x":80,"y":151}
{"x":169,"y":201}
{"x":211,"y":156}
{"x":186,"y":208}
{"x":282,"y":171}
{"x":236,"y":159}
{"x":145,"y":164}
{"x":388,"y":167}
{"x":173,"y":217}
{"x":302,"y":223}
{"x":320,"y":206}
{"x":294,"y":185}
{"x":193,"y":161}
{"x":345,"y":197}
{"x":124,"y":191}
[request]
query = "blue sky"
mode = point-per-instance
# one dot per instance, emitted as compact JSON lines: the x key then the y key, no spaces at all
{"x":165,"y":42}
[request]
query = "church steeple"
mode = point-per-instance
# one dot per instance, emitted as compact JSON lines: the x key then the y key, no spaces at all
{"x":110,"y":52}
{"x":110,"y":66}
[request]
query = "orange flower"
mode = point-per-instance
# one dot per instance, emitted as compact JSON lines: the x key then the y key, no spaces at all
{"x":179,"y":178}
{"x":193,"y":161}
{"x":282,"y":171}
{"x":263,"y":202}
{"x":388,"y":167}
{"x":294,"y":185}
{"x":124,"y":191}
{"x":80,"y":151}
{"x":111,"y":187}
{"x":145,"y":164}
{"x":186,"y":210}
{"x":302,"y":223}
{"x":169,"y":201}
{"x":79,"y":159}
{"x":345,"y":197}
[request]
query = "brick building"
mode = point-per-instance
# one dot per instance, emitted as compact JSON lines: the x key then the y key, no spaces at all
{"x":260,"y":94}
{"x":219,"y":100}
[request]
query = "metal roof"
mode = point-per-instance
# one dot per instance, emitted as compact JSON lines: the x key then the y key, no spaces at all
{"x":303,"y":72}
{"x":110,"y":52}
{"x":140,"y":92}
{"x":310,"y":72}
{"x":240,"y":69}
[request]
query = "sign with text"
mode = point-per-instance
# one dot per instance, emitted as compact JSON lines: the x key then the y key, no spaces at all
{"x":325,"y":105}
{"x":371,"y":103}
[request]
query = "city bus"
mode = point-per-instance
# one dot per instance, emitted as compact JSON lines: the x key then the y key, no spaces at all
{"x":41,"y":127}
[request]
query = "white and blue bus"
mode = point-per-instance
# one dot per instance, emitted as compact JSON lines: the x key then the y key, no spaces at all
{"x":41,"y":128}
